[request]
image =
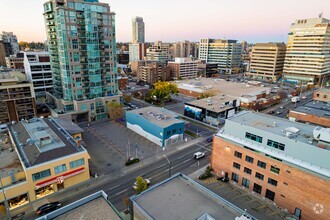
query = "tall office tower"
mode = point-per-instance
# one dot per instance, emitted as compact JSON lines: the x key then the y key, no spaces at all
{"x":82,"y":48}
{"x":226,"y":53}
{"x":267,"y":61}
{"x":11,"y":43}
{"x":159,"y":51}
{"x":308,"y":51}
{"x":194,"y":49}
{"x":138,"y":30}
{"x":38,"y":71}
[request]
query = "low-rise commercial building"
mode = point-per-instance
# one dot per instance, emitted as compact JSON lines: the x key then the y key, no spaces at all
{"x":183,"y":68}
{"x":95,"y":206}
{"x":213,"y":110}
{"x":158,"y":125}
{"x":322,"y":95}
{"x":17,"y":98}
{"x":37,"y":159}
{"x":283,"y":161}
{"x":151,"y":72}
{"x":15,"y":62}
{"x":180,"y":197}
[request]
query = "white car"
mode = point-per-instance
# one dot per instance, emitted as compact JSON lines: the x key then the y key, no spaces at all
{"x":135,"y":183}
{"x":199,"y":155}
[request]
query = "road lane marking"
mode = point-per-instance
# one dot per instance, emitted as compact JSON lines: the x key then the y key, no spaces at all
{"x":114,"y":187}
{"x":121,"y":192}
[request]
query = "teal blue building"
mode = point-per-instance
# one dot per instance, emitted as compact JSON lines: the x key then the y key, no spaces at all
{"x":82,"y":46}
{"x":158,"y":125}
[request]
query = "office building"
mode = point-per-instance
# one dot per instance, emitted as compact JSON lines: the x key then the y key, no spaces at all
{"x":11,"y":43}
{"x":15,"y":61}
{"x":95,"y":206}
{"x":138,"y":30}
{"x":137,"y":51}
{"x":226,"y":53}
{"x":181,"y":49}
{"x":158,"y":125}
{"x":208,"y":69}
{"x":17,"y":98}
{"x":151,"y":72}
{"x":267,"y":60}
{"x":159,"y":51}
{"x":307,"y":55}
{"x":82,"y":49}
{"x":183,"y":68}
{"x":3,"y":54}
{"x":284,"y":162}
{"x":38,"y":159}
{"x":38,"y":71}
{"x":180,"y":197}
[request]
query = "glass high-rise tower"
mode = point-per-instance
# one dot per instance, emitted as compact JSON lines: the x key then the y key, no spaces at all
{"x":82,"y":47}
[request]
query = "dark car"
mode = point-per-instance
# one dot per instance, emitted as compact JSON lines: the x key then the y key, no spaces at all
{"x":48,"y":207}
{"x":209,"y":140}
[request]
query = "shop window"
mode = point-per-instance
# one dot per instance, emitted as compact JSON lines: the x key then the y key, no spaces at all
{"x":40,"y":175}
{"x":77,"y":163}
{"x":270,"y":195}
{"x":44,"y":191}
{"x":60,"y":168}
{"x":257,"y":188}
{"x":18,"y":201}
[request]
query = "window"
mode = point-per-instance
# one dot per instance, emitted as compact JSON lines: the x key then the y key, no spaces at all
{"x":270,"y":194}
{"x":236,"y":165}
{"x":238,"y":154}
{"x":259,"y":176}
{"x":257,"y":188}
{"x":60,"y":168}
{"x":261,"y":164}
{"x":275,"y":169}
{"x":249,"y":159}
{"x":77,"y":163}
{"x":40,"y":175}
{"x":272,"y":182}
{"x":246,"y":183}
{"x":253,"y":137}
{"x":234,"y":177}
{"x":275,"y":144}
{"x":247,"y":170}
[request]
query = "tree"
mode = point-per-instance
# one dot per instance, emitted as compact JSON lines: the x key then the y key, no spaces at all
{"x":208,"y":94}
{"x":162,"y":91}
{"x":127,"y":98}
{"x":115,"y":110}
{"x":141,"y":185}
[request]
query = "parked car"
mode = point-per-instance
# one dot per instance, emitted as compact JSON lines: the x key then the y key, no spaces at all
{"x":271,"y":112}
{"x":295,"y":99}
{"x":48,"y":207}
{"x":135,"y":184}
{"x":282,"y":107}
{"x":279,"y":112}
{"x":199,"y":155}
{"x":209,"y":139}
{"x":304,"y":97}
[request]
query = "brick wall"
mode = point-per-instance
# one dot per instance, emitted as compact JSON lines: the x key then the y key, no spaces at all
{"x":323,"y":121}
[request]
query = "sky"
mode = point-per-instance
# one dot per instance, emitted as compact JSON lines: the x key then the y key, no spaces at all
{"x":178,"y":20}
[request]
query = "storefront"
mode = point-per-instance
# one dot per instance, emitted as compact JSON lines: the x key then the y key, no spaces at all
{"x":44,"y":191}
{"x":18,"y":201}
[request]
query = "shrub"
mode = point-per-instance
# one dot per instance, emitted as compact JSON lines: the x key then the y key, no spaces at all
{"x":132,"y":161}
{"x":207,"y":173}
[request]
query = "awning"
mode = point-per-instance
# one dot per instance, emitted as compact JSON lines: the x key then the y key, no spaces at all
{"x":60,"y":178}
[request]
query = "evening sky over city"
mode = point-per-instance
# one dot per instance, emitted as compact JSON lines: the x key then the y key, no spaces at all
{"x":177,"y":20}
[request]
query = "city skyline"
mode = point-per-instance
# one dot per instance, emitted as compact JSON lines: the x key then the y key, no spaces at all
{"x":255,"y":22}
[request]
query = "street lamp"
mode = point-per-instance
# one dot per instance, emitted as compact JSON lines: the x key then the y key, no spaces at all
{"x":4,"y":195}
{"x":169,"y":163}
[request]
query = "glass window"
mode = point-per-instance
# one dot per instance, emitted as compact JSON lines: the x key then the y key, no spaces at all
{"x":60,"y":168}
{"x":257,"y":188}
{"x":236,"y":165}
{"x":246,"y":183}
{"x":261,"y":164}
{"x":249,"y":159}
{"x":234,"y":177}
{"x":275,"y":144}
{"x":247,"y":170}
{"x":270,"y":194}
{"x":41,"y":174}
{"x":259,"y":176}
{"x":275,"y":169}
{"x":77,"y":163}
{"x":253,"y":137}
{"x":238,"y":154}
{"x":272,"y":182}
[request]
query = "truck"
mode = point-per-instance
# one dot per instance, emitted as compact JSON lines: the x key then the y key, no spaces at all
{"x":295,"y":99}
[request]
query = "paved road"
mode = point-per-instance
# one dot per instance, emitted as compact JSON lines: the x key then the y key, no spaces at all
{"x":121,"y":189}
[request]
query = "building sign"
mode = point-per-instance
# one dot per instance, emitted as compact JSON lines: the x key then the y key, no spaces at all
{"x":321,"y":25}
{"x":60,"y":179}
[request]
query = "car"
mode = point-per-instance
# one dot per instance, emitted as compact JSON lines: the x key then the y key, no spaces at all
{"x":276,"y":87}
{"x":135,"y":183}
{"x":271,"y":112}
{"x":209,"y":139}
{"x":289,"y":96}
{"x":199,"y":155}
{"x":279,"y":112}
{"x":48,"y":207}
{"x":304,"y":97}
{"x":282,"y":107}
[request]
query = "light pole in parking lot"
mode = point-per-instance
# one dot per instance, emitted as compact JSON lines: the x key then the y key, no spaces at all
{"x":169,"y":163}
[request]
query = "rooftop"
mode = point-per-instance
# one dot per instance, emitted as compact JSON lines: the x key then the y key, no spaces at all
{"x":180,"y":197}
{"x":40,"y":140}
{"x":159,"y":116}
{"x":215,"y":104}
{"x":69,"y":126}
{"x":317,"y":108}
{"x":94,"y":207}
{"x":236,"y":89}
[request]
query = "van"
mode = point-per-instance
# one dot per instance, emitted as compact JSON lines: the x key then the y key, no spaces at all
{"x":295,"y":99}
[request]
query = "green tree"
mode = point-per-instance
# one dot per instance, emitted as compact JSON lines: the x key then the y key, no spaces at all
{"x":141,"y":185}
{"x":162,"y":91}
{"x":115,"y":110}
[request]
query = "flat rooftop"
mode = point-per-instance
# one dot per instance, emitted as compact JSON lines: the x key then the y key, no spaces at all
{"x":321,"y":109}
{"x":215,"y":104}
{"x":94,"y":206}
{"x":9,"y":161}
{"x":39,"y":140}
{"x":159,"y":116}
{"x":180,"y":197}
{"x":236,"y":89}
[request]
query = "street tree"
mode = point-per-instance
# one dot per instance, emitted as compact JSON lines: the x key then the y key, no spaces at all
{"x":141,"y":185}
{"x":162,"y":91}
{"x":115,"y":110}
